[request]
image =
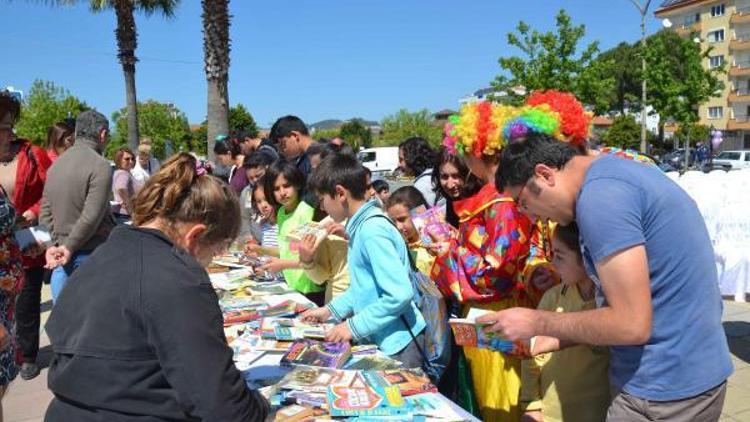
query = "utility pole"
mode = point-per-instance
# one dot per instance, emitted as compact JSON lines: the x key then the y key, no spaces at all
{"x":643,"y":9}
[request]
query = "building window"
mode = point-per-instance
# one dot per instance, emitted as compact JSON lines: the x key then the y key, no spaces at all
{"x":715,"y":112}
{"x":716,"y":36}
{"x":717,"y":10}
{"x":715,"y":61}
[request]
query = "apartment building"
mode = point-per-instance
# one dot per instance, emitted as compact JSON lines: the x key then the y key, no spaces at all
{"x":725,"y":27}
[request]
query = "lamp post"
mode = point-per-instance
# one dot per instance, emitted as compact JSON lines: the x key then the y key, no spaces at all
{"x":643,"y":9}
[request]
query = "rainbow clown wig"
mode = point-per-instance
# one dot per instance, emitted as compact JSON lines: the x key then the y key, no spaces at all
{"x":484,"y":128}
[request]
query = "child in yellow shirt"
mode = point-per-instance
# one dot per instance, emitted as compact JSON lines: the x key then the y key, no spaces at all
{"x":570,"y":384}
{"x":399,"y":207}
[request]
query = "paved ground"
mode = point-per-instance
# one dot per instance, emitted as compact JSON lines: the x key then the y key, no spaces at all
{"x":27,"y":400}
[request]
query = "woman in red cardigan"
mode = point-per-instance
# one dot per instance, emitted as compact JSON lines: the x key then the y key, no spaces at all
{"x":23,"y":172}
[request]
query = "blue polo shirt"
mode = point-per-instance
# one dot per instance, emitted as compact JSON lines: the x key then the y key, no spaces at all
{"x":623,"y":204}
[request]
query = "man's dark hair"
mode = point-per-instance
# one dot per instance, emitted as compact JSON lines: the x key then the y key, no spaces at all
{"x":285,"y":126}
{"x":257,"y":159}
{"x":339,"y":169}
{"x":229,"y":146}
{"x":381,"y":186}
{"x":292,"y":175}
{"x":89,"y":125}
{"x":418,"y":155}
{"x":518,"y":159}
{"x":9,"y":104}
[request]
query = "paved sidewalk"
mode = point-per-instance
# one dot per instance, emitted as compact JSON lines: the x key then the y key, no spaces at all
{"x":26,"y":401}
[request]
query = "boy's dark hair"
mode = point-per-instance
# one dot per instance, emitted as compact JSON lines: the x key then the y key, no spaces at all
{"x":229,"y":146}
{"x":380,"y":186}
{"x":292,"y":175}
{"x":518,"y":159}
{"x":408,"y":196}
{"x":257,"y":159}
{"x":318,"y":148}
{"x":339,"y":169}
{"x":418,"y":154}
{"x":568,"y":235}
{"x":285,"y":126}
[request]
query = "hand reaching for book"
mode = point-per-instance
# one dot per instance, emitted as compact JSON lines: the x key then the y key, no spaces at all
{"x":340,"y":333}
{"x":306,"y":248}
{"x":316,"y":315}
{"x":512,"y":324}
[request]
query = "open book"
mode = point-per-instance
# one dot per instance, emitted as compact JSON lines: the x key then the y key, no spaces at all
{"x":467,"y":332}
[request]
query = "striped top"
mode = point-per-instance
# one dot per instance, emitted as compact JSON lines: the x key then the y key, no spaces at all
{"x":270,"y":237}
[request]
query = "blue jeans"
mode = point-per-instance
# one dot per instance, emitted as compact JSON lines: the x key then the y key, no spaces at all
{"x":60,"y":274}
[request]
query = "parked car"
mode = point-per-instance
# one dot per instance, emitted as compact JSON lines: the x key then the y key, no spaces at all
{"x":379,"y":160}
{"x":676,"y":158}
{"x":732,"y":160}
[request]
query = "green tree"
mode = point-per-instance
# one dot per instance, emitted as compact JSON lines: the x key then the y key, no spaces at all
{"x":623,"y":63}
{"x":45,"y":105}
{"x":159,"y":121}
{"x":326,"y":133}
{"x":625,"y":132}
{"x":698,"y":133}
{"x":216,"y":20}
{"x":677,"y":81}
{"x":405,"y":124}
{"x":356,"y":134}
{"x":551,"y":61}
{"x":240,"y":120}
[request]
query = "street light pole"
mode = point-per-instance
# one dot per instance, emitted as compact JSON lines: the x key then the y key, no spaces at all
{"x":643,"y":9}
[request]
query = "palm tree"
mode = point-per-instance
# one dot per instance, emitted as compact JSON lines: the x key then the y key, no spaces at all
{"x":127,"y":42}
{"x":216,"y":51}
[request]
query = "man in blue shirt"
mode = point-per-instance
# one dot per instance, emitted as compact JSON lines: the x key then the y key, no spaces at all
{"x":647,"y":248}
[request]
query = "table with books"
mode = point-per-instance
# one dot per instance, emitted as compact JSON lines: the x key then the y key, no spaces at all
{"x":304,"y":377}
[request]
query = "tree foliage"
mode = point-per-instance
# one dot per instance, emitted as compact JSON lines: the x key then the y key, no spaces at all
{"x":159,"y":121}
{"x":625,"y":132}
{"x":551,"y":61}
{"x":356,"y":134}
{"x":405,"y":124}
{"x":240,"y":120}
{"x":698,"y":133}
{"x":45,"y":105}
{"x":677,"y":81}
{"x":326,"y":133}
{"x":623,"y":63}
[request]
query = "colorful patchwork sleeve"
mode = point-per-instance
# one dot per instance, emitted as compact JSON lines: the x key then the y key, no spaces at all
{"x":540,"y":256}
{"x":489,"y":256}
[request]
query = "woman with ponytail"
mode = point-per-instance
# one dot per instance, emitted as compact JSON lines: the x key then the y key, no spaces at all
{"x":137,"y":333}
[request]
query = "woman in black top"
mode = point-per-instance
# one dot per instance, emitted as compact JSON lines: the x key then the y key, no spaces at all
{"x":137,"y":332}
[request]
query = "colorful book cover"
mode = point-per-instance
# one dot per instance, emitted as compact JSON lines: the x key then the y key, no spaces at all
{"x":251,"y":341}
{"x":285,"y":308}
{"x":431,"y":223}
{"x":467,"y":332}
{"x":373,"y":399}
{"x":433,"y":406}
{"x":317,"y":380}
{"x":240,"y":316}
{"x":231,"y":280}
{"x":317,"y":353}
{"x":408,"y":381}
{"x":377,"y":361}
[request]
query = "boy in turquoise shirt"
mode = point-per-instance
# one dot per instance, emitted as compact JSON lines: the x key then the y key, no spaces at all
{"x":378,"y":307}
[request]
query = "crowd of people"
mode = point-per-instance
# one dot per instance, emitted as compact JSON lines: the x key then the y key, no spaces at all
{"x":571,"y":251}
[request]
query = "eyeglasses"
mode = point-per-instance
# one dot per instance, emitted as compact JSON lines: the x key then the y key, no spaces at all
{"x":520,"y":202}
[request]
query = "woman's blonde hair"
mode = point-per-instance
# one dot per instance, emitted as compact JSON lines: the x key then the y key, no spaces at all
{"x":181,"y":192}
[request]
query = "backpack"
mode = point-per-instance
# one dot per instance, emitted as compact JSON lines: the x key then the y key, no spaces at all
{"x":436,"y":345}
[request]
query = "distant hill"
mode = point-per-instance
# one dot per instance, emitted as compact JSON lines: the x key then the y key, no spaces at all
{"x":334,"y":123}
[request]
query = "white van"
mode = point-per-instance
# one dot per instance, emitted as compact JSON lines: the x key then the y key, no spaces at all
{"x":379,"y":160}
{"x":732,"y":160}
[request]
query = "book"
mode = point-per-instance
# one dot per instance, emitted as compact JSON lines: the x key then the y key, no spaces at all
{"x":249,"y":341}
{"x":285,"y":308}
{"x":240,"y":316}
{"x":433,"y":406}
{"x":231,"y":280}
{"x":467,"y":332}
{"x":257,"y":289}
{"x":317,"y":353}
{"x":431,"y":224}
{"x":293,"y":413}
{"x":229,"y":303}
{"x":307,"y":398}
{"x":373,"y":399}
{"x":372,"y":361}
{"x":317,"y":380}
{"x":298,"y":233}
{"x":32,"y":236}
{"x":408,"y":381}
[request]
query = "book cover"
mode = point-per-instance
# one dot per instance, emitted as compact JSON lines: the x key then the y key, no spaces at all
{"x":408,"y":381}
{"x":240,"y":316}
{"x":285,"y":308}
{"x":293,"y":413}
{"x":249,"y":341}
{"x":431,"y":223}
{"x":317,"y":353}
{"x":467,"y":332}
{"x":317,"y":380}
{"x":377,"y":361}
{"x":433,"y":406}
{"x":373,"y":399}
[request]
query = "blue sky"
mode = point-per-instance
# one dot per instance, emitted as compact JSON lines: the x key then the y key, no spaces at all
{"x":315,"y":58}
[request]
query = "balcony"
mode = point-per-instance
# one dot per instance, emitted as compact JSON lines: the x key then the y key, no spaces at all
{"x":740,"y":42}
{"x":689,"y":26}
{"x":739,"y":96}
{"x":739,"y":123}
{"x":740,"y":16}
{"x":741,"y":68}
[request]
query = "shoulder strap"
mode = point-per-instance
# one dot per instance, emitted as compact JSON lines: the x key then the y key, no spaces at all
{"x":412,"y":264}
